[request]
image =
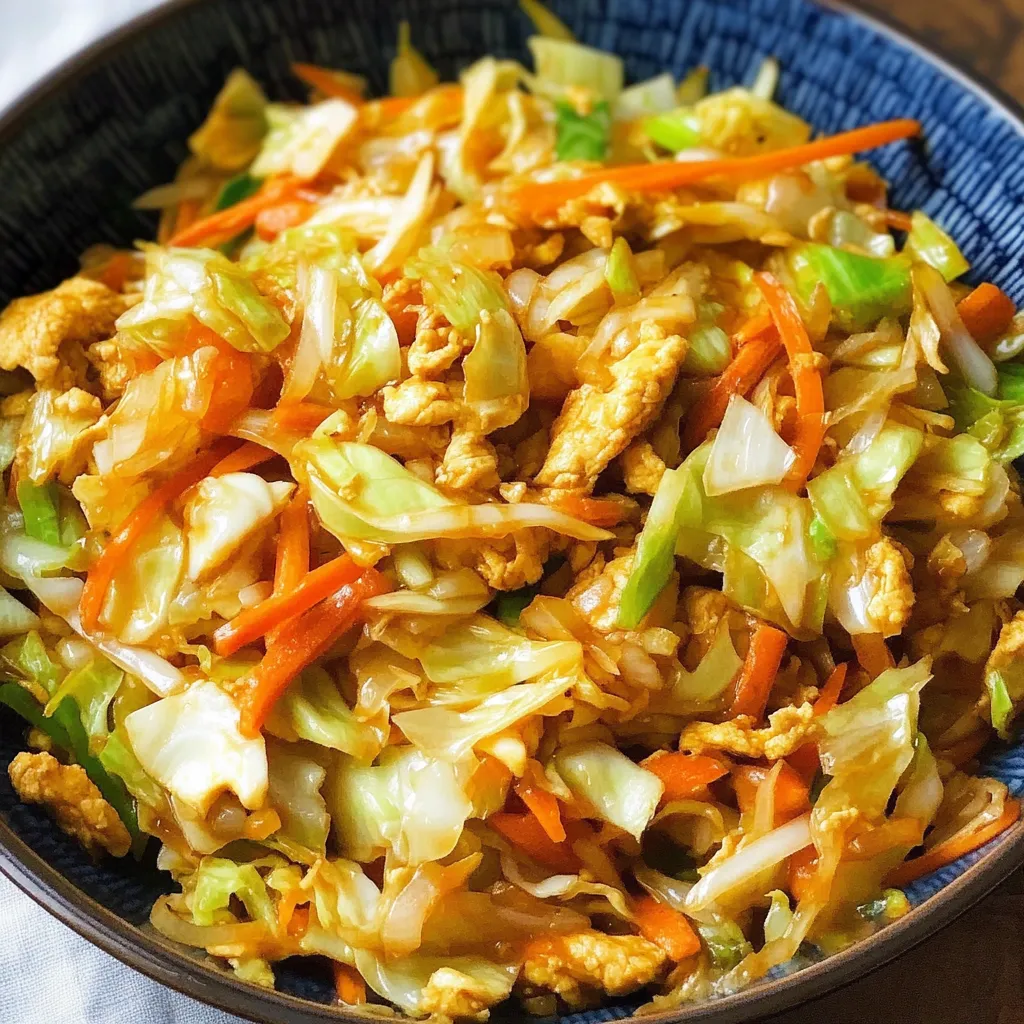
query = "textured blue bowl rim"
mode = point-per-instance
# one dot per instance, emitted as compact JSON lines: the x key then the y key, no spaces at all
{"x":162,"y":961}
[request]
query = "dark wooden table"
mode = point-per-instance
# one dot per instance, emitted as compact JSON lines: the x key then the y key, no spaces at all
{"x":973,"y":971}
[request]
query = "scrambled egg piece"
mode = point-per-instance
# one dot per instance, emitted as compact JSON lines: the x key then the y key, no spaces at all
{"x":434,"y":350}
{"x":787,"y":729}
{"x":642,"y":468}
{"x":115,"y":371}
{"x":505,"y":563}
{"x":596,"y":596}
{"x":887,"y":573}
{"x":450,"y":993}
{"x":419,"y":403}
{"x":470,"y":464}
{"x":701,"y":609}
{"x":73,"y":797}
{"x":596,"y":425}
{"x":48,"y":333}
{"x":582,"y":966}
{"x":1009,"y":648}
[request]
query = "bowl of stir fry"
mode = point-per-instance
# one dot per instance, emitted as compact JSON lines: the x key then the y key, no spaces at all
{"x":533,"y":528}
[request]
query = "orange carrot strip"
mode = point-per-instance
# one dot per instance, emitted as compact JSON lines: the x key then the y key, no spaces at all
{"x":596,"y":511}
{"x":273,"y":220}
{"x":805,"y":758}
{"x":758,"y":324}
{"x":301,"y":416}
{"x":252,"y":623}
{"x":748,"y":366}
{"x":292,"y":563}
{"x":828,"y":696}
{"x":684,"y":775}
{"x":810,"y":399}
{"x":986,"y":312}
{"x":545,"y":198}
{"x":544,"y":807}
{"x":298,"y":921}
{"x":135,"y":524}
{"x":757,"y":676}
{"x":953,"y":849}
{"x":326,"y":81}
{"x":391,"y":106}
{"x":898,"y":220}
{"x":186,"y":214}
{"x":801,"y":872}
{"x":302,"y":641}
{"x":225,"y":224}
{"x":349,"y":986}
{"x":872,"y":652}
{"x":527,"y":833}
{"x":792,"y":796}
{"x":241,"y":459}
{"x":665,"y":927}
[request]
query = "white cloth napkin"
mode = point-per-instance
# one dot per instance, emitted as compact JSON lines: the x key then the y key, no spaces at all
{"x":48,"y":975}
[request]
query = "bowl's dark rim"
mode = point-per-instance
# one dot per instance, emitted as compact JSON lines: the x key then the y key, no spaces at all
{"x":160,"y":960}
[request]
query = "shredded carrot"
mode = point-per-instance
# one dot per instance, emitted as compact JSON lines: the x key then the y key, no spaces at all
{"x":292,"y":552}
{"x":684,"y":775}
{"x":540,"y":199}
{"x":544,"y":807}
{"x":135,"y":524}
{"x":805,"y":758}
{"x":757,"y":676}
{"x":748,"y":366}
{"x":966,"y":749}
{"x":273,"y":220}
{"x":298,"y":922}
{"x":349,"y":986}
{"x":260,"y":824}
{"x":185,"y":215}
{"x":389,"y":107}
{"x":241,"y":459}
{"x":810,"y":398}
{"x":302,"y":641}
{"x":596,"y":511}
{"x":872,"y":652}
{"x":665,"y":927}
{"x":121,"y":267}
{"x":301,"y":416}
{"x":252,"y":623}
{"x":792,"y":796}
{"x":801,"y":873}
{"x":327,"y":82}
{"x":527,"y":833}
{"x":986,"y":312}
{"x":756,"y":325}
{"x":953,"y":849}
{"x":898,"y":220}
{"x":231,"y":389}
{"x":225,"y":224}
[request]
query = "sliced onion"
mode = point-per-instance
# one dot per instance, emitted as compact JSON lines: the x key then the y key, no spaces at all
{"x":974,"y":545}
{"x":243,"y":933}
{"x":317,"y":294}
{"x":866,"y":433}
{"x":747,"y":863}
{"x":520,"y":286}
{"x":545,"y":889}
{"x":973,"y":363}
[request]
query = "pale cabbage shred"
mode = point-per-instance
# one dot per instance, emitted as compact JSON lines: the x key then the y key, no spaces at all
{"x":499,"y":393}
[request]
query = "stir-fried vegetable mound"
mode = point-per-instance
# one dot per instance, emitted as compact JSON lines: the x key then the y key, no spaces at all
{"x":528,"y":536}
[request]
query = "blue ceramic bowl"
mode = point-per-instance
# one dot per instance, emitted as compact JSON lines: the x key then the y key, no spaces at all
{"x":85,"y":142}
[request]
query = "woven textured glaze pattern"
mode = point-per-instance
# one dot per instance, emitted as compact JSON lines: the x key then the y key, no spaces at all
{"x":69,"y":170}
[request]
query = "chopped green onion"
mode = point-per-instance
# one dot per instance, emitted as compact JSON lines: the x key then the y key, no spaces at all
{"x":892,"y":905}
{"x":619,"y":272}
{"x":725,"y":941}
{"x":1011,"y":382}
{"x":675,"y":131}
{"x":65,"y":728}
{"x":39,"y":506}
{"x":235,"y":189}
{"x":582,"y":136}
{"x":862,"y":289}
{"x":928,"y":243}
